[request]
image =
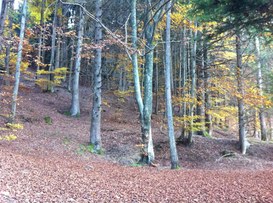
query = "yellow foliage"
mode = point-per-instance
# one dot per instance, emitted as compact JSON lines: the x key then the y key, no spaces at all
{"x":17,"y":126}
{"x":59,"y":75}
{"x":8,"y":137}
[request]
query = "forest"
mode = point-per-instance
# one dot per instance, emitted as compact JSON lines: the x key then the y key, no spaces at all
{"x":100,"y":98}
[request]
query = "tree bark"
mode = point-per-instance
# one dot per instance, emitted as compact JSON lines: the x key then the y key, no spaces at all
{"x":95,"y":131}
{"x":53,"y":48}
{"x":40,"y":59}
{"x":75,"y":103}
{"x":8,"y":47}
{"x":193,"y":83}
{"x":18,"y":62}
{"x":183,"y":74}
{"x":239,"y":71}
{"x":200,"y":110}
{"x":260,"y":87}
{"x":156,"y":83}
{"x":174,"y":157}
{"x":208,"y":119}
{"x":71,"y":66}
{"x":3,"y":15}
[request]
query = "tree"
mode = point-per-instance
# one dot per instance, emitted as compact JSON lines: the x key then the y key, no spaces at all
{"x":53,"y":47}
{"x":135,"y":61}
{"x":40,"y":60}
{"x":260,"y":87}
{"x":75,"y":104}
{"x":174,"y":157}
{"x":150,"y":22}
{"x":240,"y":88}
{"x":95,"y":130}
{"x":231,"y":16}
{"x":18,"y":62}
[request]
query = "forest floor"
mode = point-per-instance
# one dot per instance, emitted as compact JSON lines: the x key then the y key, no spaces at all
{"x":50,"y":160}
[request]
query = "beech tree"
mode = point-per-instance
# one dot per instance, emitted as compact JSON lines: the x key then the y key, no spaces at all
{"x":75,"y":104}
{"x":260,"y":87}
{"x":53,"y":47}
{"x":174,"y":157}
{"x":95,"y":130}
{"x":18,"y":62}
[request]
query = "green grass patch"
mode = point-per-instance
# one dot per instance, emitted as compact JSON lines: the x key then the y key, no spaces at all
{"x":48,"y":120}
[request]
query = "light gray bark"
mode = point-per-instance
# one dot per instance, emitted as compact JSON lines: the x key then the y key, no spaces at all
{"x":260,"y":87}
{"x":193,"y":82}
{"x":75,"y":103}
{"x":183,"y":78}
{"x":135,"y":61}
{"x":174,"y":157}
{"x":241,"y":109}
{"x":95,"y":130}
{"x":18,"y":62}
{"x":1,"y":3}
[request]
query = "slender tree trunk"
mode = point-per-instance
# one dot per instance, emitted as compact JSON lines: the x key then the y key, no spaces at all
{"x":174,"y":157}
{"x":201,"y":96}
{"x":193,"y":84}
{"x":1,"y":3}
{"x":58,"y":52}
{"x":75,"y":103}
{"x":40,"y":60}
{"x":8,"y":47}
{"x":71,"y":66}
{"x":148,"y":155}
{"x":53,"y":47}
{"x":137,"y":86}
{"x":241,"y":108}
{"x":95,"y":130}
{"x":156,"y":84}
{"x":260,"y":87}
{"x":183,"y":80}
{"x":18,"y":62}
{"x":3,"y":15}
{"x":208,"y":119}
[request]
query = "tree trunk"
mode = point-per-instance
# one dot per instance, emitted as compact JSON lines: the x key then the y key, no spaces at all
{"x":193,"y":83}
{"x":8,"y":47}
{"x":242,"y":134}
{"x":183,"y":80}
{"x":148,"y":154}
{"x":174,"y":157}
{"x":156,"y":83}
{"x":260,"y":87}
{"x":200,"y":95}
{"x":40,"y":60}
{"x":95,"y":131}
{"x":53,"y":48}
{"x":208,"y":119}
{"x":75,"y":103}
{"x":3,"y":15}
{"x":18,"y":62}
{"x":71,"y":66}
